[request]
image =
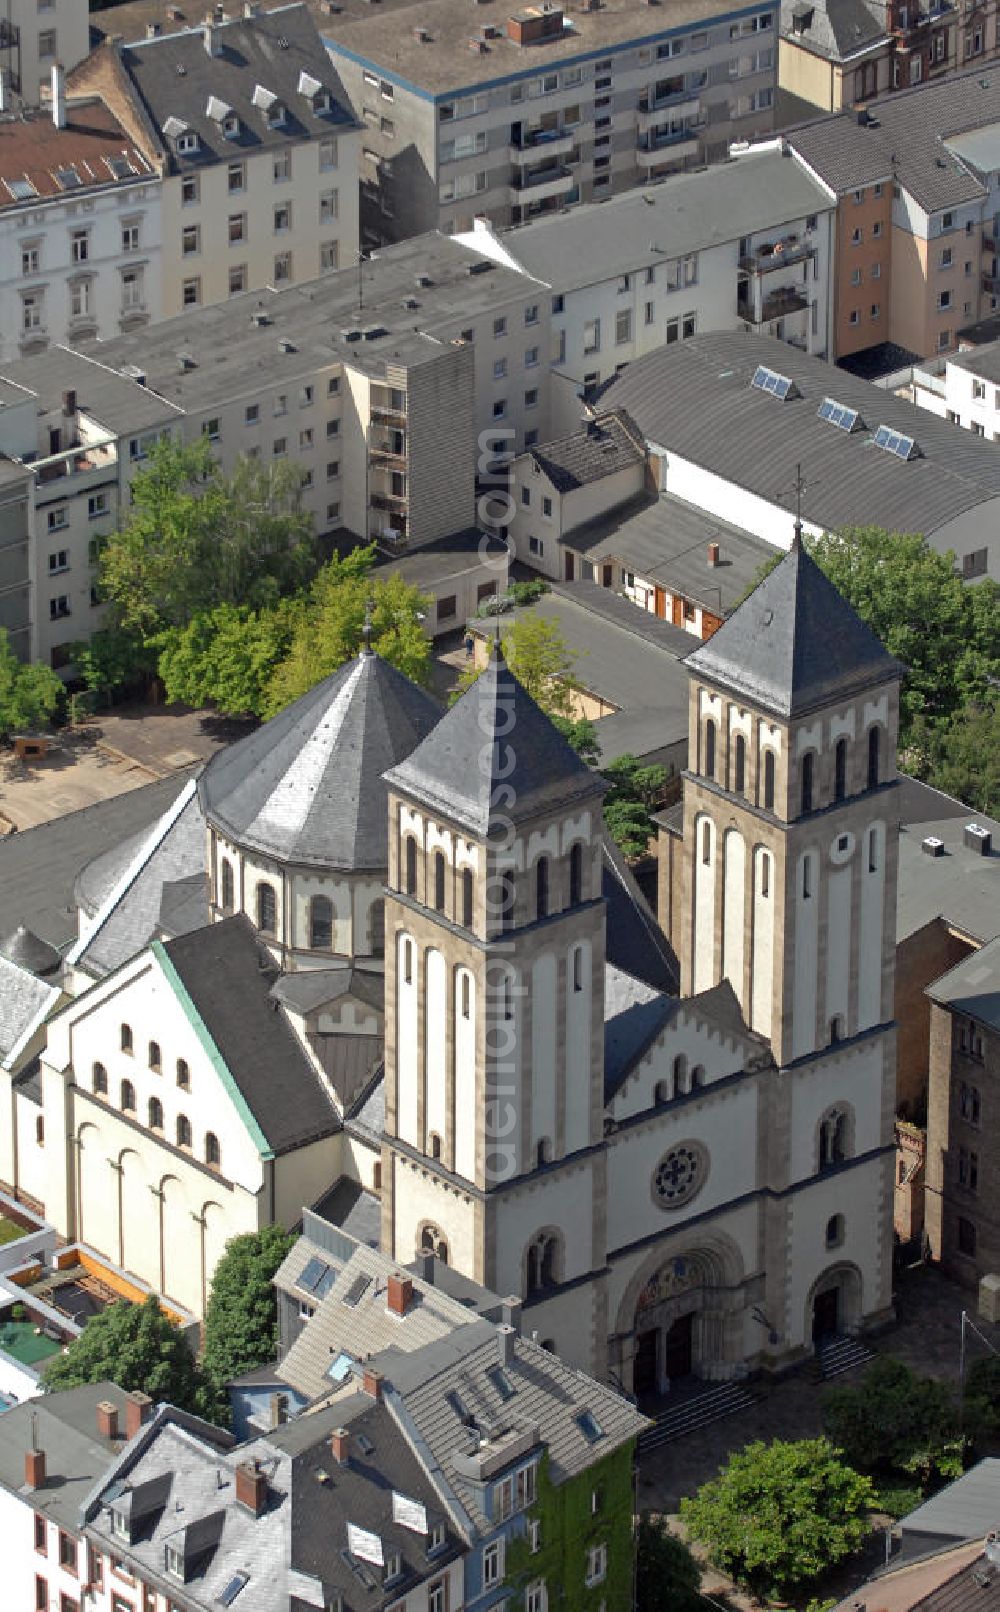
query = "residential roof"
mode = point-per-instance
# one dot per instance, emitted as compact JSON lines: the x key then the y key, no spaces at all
{"x":972,"y":987}
{"x":835,"y":29}
{"x":254,"y":64}
{"x":39,"y":161}
{"x":982,"y":361}
{"x":794,"y":644}
{"x":219,"y":971}
{"x":39,"y":866}
{"x":446,"y":559}
{"x":494,"y":736}
{"x":607,"y":444}
{"x":966,"y":1509}
{"x":113,"y":400}
{"x":307,"y":788}
{"x":666,"y":539}
{"x":351,"y":1208}
{"x":909,"y":134}
{"x":64,"y":1427}
{"x":965,"y":1590}
{"x":959,"y":886}
{"x":757,"y":439}
{"x":902,"y":1588}
{"x":680,"y":214}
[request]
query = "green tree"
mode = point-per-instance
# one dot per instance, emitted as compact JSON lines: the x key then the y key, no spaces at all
{"x":136,"y":1346}
{"x":667,"y":1576}
{"x":982,"y":1399}
{"x":241,"y":1321}
{"x":896,"y":1421}
{"x":580,"y":733}
{"x":113,"y":658}
{"x":227,"y":657}
{"x":329,"y":627}
{"x":634,"y":795}
{"x":540,"y":658}
{"x":780,"y":1514}
{"x":30,"y":693}
{"x":196,"y":538}
{"x":963,"y":757}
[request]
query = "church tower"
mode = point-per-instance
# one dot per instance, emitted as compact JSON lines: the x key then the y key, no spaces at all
{"x":494,"y":995}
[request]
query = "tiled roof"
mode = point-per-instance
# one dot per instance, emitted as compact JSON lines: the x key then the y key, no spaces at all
{"x":604,"y":447}
{"x":93,"y":146}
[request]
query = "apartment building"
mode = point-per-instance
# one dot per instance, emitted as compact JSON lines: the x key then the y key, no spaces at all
{"x":381,"y":406}
{"x":15,"y":550}
{"x":35,"y":35}
{"x":916,"y":178}
{"x":833,"y":55}
{"x":258,"y":153}
{"x":963,"y":388}
{"x":746,"y":244}
{"x":514,"y":115}
{"x":79,"y":226}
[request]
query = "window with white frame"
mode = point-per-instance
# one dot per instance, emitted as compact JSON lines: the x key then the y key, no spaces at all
{"x":597,"y":1564}
{"x":492,"y":1564}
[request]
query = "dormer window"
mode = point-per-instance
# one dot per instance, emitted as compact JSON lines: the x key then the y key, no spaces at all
{"x":322,"y":102}
{"x":231,"y":126}
{"x":187,"y":143}
{"x":120,"y":1526}
{"x":275,"y":115}
{"x":173,"y":1561}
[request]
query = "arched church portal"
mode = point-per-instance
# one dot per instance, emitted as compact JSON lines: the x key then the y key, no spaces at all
{"x":681,"y":1318}
{"x":834,"y":1304}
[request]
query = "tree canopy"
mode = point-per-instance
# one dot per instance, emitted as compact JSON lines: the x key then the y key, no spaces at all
{"x":779,"y":1514}
{"x":241,"y":1321}
{"x":30,"y":693}
{"x":540,"y":658}
{"x":667,"y":1576}
{"x":629,"y":805}
{"x":135,"y":1346}
{"x":896,"y":1421}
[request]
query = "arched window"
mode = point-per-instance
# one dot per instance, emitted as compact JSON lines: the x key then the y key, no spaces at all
{"x":740,"y":765}
{"x":769,"y":780}
{"x":576,"y":875}
{"x":439,"y":877}
{"x":99,"y":1076}
{"x":710,"y":749}
{"x":835,"y":1231}
{"x":40,"y":1131}
{"x":874,"y":757}
{"x":765,"y":875}
{"x":128,"y":1097}
{"x":467,"y":893}
{"x":872,"y":851}
{"x":154,"y":1057}
{"x":126,"y":1038}
{"x":435,"y":1145}
{"x":806,"y":778}
{"x":183,"y":1075}
{"x":155,"y":1114}
{"x":697,"y":1077}
{"x":680,"y":1074}
{"x":212,"y":1152}
{"x":408,"y":962}
{"x":228,"y":897}
{"x":507,"y":991}
{"x":410,"y":865}
{"x":377,"y":921}
{"x":706,"y":843}
{"x":321,"y":923}
{"x":577,"y":968}
{"x":836,"y":1029}
{"x":807,"y":877}
{"x":432,"y":1242}
{"x":661,"y":1093}
{"x":542,"y":1262}
{"x":543,"y":1153}
{"x":833,"y":1138}
{"x":267,"y":909}
{"x":840,"y":770}
{"x":377,"y":1176}
{"x":183,"y":1131}
{"x":506,"y":902}
{"x":465,"y":995}
{"x":542,"y":887}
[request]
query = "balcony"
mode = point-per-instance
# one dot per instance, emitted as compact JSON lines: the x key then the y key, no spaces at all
{"x":684,"y":105}
{"x":554,"y":181}
{"x":387,"y":416}
{"x":991,"y":241}
{"x":540,"y":143}
{"x":777,"y":305}
{"x":389,"y":501}
{"x":991,"y":284}
{"x":385,"y":448}
{"x":769,"y":257}
{"x":664,"y":147}
{"x":86,"y":466}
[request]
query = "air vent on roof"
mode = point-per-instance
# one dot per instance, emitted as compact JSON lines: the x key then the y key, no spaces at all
{"x":895,"y":442}
{"x":282,"y":42}
{"x":479,"y":46}
{"x":932,"y":846}
{"x":181,"y":70}
{"x":424,"y":280}
{"x":410,"y":303}
{"x":351,"y":335}
{"x":133,"y":372}
{"x":977,"y":838}
{"x":769,"y":380}
{"x":375,"y":332}
{"x":421,"y":35}
{"x":286,"y":345}
{"x":259,"y":317}
{"x":187,"y":361}
{"x":840,"y":415}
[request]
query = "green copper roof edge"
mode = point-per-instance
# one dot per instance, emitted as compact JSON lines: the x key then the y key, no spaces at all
{"x":197,"y":1023}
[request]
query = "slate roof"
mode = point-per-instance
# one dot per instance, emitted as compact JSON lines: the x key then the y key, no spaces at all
{"x":23,"y":947}
{"x":835,"y":29}
{"x":683,"y":213}
{"x":972,"y":987}
{"x":795,"y":644}
{"x":352,"y":1209}
{"x":307,"y":787}
{"x":175,"y":77}
{"x":310,"y":988}
{"x":756,"y":440}
{"x":494,"y":755}
{"x":65,"y":1427}
{"x":634,"y":1014}
{"x":610,"y":443}
{"x":24,"y":998}
{"x":220,"y":970}
{"x":366,"y":1116}
{"x":965,"y":1591}
{"x":634,"y":940}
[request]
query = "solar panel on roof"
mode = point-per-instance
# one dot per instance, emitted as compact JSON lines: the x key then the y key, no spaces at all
{"x":313,"y":1274}
{"x":891,"y":441}
{"x":769,"y":380}
{"x":838,"y":414}
{"x":357,"y":1287}
{"x":238,"y":1582}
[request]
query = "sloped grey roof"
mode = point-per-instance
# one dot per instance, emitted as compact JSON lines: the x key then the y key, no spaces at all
{"x":65,"y":1427}
{"x":367,"y":1115}
{"x":605,"y":446}
{"x":959,"y":886}
{"x":219,"y":968}
{"x":634,"y":940}
{"x":966,"y":1509}
{"x":495,"y":755}
{"x":972,"y":987}
{"x":22,"y":997}
{"x":351,"y":1208}
{"x":311,"y":988}
{"x":794,"y":644}
{"x":307,"y":786}
{"x":835,"y":29}
{"x":634,"y":1014}
{"x":23,"y":947}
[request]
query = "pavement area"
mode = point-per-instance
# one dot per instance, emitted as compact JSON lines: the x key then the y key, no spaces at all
{"x":105,"y":756}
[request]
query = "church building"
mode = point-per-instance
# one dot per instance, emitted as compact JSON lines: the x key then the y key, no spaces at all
{"x":382,"y":958}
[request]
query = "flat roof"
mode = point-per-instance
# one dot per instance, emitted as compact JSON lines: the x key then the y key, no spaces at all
{"x":982,"y":361}
{"x":959,"y":886}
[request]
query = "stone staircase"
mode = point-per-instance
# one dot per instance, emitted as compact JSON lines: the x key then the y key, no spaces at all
{"x":688,"y":1415}
{"x":839,"y":1354}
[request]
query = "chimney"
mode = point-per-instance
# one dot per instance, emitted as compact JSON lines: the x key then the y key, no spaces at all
{"x":400,"y":1294}
{"x":138,"y":1410}
{"x":4,"y":88}
{"x":713,"y":554}
{"x":511,"y":1311}
{"x":58,"y":96}
{"x":34,"y":1468}
{"x":152,"y":30}
{"x":977,"y":839}
{"x":278,"y":1410}
{"x":69,"y":404}
{"x":340,"y":1441}
{"x":371,"y":1382}
{"x":506,"y":1335}
{"x":210,"y":35}
{"x":107,"y":1420}
{"x":251,"y":1487}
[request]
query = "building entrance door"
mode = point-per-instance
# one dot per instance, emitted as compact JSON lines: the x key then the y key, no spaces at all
{"x":826,"y":1314}
{"x":644,"y":1366}
{"x":678,"y":1355}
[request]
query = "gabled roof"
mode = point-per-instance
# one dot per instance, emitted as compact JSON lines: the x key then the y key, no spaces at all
{"x":92,"y":151}
{"x":495,"y":756}
{"x":794,"y":644}
{"x":836,"y":29}
{"x":307,"y":787}
{"x":606,"y":445}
